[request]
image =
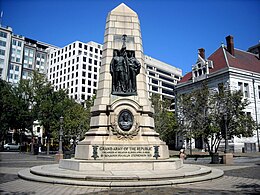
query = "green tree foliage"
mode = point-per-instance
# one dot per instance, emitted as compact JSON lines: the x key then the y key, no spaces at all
{"x":6,"y":96}
{"x":36,"y":99}
{"x":201,"y":114}
{"x":165,"y":120}
{"x":77,"y":119}
{"x":14,"y":110}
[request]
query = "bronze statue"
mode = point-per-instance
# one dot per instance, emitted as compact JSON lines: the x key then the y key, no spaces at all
{"x":134,"y":69}
{"x":124,"y":68}
{"x":118,"y":70}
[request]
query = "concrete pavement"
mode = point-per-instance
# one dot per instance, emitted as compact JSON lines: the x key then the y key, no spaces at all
{"x":240,"y":178}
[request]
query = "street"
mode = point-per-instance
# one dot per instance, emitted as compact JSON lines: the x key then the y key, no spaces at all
{"x":243,"y":177}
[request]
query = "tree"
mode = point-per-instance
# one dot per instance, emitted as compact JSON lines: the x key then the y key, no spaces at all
{"x":165,"y":120}
{"x":77,"y":119}
{"x":14,"y":111}
{"x":6,"y":108}
{"x":35,"y":99}
{"x":202,"y":114}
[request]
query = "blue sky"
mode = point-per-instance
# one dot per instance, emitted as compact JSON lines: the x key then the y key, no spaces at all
{"x":172,"y":30}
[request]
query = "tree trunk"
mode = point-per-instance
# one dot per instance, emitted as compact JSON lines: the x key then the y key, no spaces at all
{"x":48,"y":146}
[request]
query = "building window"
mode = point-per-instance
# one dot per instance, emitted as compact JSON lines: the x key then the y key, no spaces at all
{"x":240,"y":86}
{"x":167,"y":85}
{"x":221,"y":88}
{"x":167,"y":92}
{"x":246,"y":89}
{"x":3,"y":34}
{"x":2,"y":52}
{"x":2,"y":43}
{"x":259,"y":91}
{"x":17,"y":68}
{"x":154,"y":81}
{"x":152,"y":74}
{"x":82,"y":96}
{"x":154,"y":88}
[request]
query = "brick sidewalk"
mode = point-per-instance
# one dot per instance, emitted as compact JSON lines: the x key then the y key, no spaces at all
{"x":239,"y":179}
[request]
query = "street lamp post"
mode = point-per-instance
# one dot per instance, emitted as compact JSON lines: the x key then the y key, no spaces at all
{"x":60,"y":135}
{"x":59,"y":155}
{"x":227,"y":157}
{"x":226,"y":137}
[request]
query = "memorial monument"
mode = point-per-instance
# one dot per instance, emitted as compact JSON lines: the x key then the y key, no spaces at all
{"x":122,"y":148}
{"x":122,"y":124}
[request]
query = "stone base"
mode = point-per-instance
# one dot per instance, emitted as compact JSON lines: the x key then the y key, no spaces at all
{"x":120,"y":165}
{"x":228,"y":158}
{"x":121,"y":178}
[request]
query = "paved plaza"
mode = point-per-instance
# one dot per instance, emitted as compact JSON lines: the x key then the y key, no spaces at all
{"x":241,"y":178}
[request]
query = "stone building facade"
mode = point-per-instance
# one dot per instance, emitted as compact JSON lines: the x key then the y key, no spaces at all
{"x":237,"y":69}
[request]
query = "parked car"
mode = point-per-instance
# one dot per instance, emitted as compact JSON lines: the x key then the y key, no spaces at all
{"x":11,"y":146}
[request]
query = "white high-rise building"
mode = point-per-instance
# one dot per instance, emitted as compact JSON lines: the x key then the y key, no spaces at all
{"x":161,"y":77}
{"x":75,"y":67}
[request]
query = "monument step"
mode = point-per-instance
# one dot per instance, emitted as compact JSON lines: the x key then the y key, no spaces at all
{"x":186,"y":174}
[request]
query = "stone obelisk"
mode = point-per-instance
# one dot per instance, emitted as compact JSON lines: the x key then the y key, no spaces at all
{"x":122,"y":126}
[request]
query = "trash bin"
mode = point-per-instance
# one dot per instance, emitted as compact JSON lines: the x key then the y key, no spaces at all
{"x":67,"y":154}
{"x":215,"y":158}
{"x":36,"y":149}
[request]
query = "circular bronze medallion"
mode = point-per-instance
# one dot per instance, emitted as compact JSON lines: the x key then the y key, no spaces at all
{"x":125,"y":120}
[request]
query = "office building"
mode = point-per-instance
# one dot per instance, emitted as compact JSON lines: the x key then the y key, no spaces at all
{"x":75,"y":68}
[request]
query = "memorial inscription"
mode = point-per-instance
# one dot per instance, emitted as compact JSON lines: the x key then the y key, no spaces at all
{"x":125,"y":151}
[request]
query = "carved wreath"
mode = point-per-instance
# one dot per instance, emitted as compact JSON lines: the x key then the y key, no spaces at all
{"x":125,"y":134}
